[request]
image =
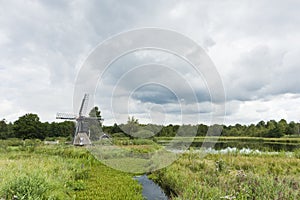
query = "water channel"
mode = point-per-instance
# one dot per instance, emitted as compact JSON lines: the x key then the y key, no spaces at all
{"x":151,"y":190}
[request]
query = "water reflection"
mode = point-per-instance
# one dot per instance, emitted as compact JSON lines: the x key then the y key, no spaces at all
{"x":239,"y":144}
{"x":150,"y":189}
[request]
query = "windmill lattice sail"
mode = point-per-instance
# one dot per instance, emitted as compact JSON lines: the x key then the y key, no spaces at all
{"x":65,"y":116}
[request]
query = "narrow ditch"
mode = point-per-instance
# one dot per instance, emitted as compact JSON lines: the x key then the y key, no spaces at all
{"x":151,"y":190}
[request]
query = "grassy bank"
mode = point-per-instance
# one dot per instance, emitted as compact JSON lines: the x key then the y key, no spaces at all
{"x":231,"y":176}
{"x":32,"y":170}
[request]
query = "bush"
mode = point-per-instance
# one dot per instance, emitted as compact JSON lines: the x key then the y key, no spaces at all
{"x":142,"y":142}
{"x":26,"y":187}
{"x":220,"y":165}
{"x":120,"y":134}
{"x":297,"y":153}
{"x":12,"y":142}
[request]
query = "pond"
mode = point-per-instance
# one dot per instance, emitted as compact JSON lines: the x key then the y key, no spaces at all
{"x":260,"y":144}
{"x":228,"y":150}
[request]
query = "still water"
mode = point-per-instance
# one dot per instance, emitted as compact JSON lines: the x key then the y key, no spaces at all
{"x":239,"y":144}
{"x":151,"y":190}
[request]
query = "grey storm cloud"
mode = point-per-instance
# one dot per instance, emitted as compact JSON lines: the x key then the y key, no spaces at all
{"x":157,"y":67}
{"x":155,"y":94}
{"x":254,"y":45}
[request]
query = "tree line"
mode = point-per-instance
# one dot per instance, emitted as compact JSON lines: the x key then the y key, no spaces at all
{"x":29,"y":126}
{"x":270,"y":128}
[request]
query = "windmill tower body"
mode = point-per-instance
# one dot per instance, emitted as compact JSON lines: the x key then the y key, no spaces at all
{"x":81,"y":135}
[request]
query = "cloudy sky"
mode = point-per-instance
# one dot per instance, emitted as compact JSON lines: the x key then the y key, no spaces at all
{"x":255,"y":47}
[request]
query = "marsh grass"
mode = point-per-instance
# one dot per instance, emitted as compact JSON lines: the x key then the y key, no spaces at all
{"x":231,"y":177}
{"x":32,"y":170}
{"x":31,"y":186}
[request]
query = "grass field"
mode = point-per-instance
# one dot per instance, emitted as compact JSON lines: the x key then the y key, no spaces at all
{"x":232,"y":176}
{"x":34,"y":171}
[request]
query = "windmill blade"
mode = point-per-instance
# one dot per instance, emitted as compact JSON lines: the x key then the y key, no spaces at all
{"x":65,"y":116}
{"x":84,"y":105}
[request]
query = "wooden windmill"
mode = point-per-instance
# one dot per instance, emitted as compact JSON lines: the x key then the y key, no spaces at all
{"x":82,"y":133}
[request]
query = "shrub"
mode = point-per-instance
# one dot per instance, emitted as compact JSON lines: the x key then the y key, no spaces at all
{"x":220,"y":165}
{"x":31,"y":187}
{"x":297,"y":153}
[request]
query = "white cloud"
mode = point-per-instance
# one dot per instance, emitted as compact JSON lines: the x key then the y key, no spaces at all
{"x":276,"y":107}
{"x":255,"y":48}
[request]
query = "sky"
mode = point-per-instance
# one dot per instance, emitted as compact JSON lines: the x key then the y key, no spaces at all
{"x":254,"y":45}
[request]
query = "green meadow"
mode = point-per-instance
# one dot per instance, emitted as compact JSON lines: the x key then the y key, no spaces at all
{"x":31,"y":170}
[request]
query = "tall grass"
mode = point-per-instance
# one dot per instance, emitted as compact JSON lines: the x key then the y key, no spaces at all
{"x":36,"y":171}
{"x":231,"y":177}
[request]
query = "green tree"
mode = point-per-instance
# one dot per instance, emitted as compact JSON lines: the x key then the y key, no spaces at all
{"x":95,"y":124}
{"x":28,"y":126}
{"x":96,"y":113}
{"x":279,"y":130}
{"x":261,"y":124}
{"x":131,"y":127}
{"x":116,"y":129}
{"x":202,"y":130}
{"x":293,"y":128}
{"x":251,"y":130}
{"x":187,"y":130}
{"x":273,"y":130}
{"x":167,"y":131}
{"x":3,"y":129}
{"x":214,"y":130}
{"x":46,"y":129}
{"x":66,"y":129}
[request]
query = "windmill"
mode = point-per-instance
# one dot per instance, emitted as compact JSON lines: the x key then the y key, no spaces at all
{"x":82,"y":133}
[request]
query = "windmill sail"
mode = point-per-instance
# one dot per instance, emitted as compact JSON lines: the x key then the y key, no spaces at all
{"x":84,"y":105}
{"x":65,"y":116}
{"x":81,"y":135}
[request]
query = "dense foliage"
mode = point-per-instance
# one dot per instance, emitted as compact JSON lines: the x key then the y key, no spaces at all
{"x":95,"y":123}
{"x":29,"y":126}
{"x":271,"y":128}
